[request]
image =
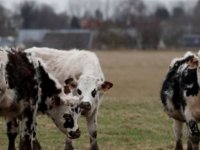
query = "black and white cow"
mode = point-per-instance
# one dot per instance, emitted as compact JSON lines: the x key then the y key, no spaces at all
{"x":84,"y":67}
{"x":180,"y":97}
{"x":25,"y":87}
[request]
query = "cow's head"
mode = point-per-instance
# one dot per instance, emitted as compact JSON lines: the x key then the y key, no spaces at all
{"x":58,"y":103}
{"x":187,"y":58}
{"x":89,"y":89}
{"x":65,"y":111}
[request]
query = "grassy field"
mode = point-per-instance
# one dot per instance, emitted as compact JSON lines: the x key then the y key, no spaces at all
{"x":131,"y":116}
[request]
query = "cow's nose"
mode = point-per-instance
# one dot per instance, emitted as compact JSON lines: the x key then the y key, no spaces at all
{"x":85,"y":105}
{"x":74,"y":134}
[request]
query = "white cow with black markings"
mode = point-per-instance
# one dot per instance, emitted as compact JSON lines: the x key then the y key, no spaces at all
{"x":27,"y":88}
{"x":180,"y":96}
{"x":84,"y":68}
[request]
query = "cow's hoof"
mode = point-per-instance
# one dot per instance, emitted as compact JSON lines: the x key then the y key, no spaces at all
{"x":179,"y":145}
{"x":11,"y":148}
{"x":189,"y":145}
{"x":94,"y":147}
{"x":36,"y":145}
{"x":68,"y":146}
{"x":26,"y":145}
{"x":193,"y":142}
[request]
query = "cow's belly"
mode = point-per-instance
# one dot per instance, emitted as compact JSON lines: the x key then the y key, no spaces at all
{"x":176,"y":114}
{"x":195,"y":112}
{"x":13,"y":111}
{"x":172,"y":112}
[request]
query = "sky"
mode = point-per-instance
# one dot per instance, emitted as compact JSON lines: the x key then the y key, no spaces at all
{"x":64,"y":5}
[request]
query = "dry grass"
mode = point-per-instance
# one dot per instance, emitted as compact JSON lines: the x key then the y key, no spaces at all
{"x":131,"y":117}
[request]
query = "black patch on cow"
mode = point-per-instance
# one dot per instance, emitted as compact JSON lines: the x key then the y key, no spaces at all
{"x":48,"y":88}
{"x":94,"y":134}
{"x":10,"y":134}
{"x":94,"y":92}
{"x":55,"y":101}
{"x":79,"y":91}
{"x":69,"y":122}
{"x":189,"y":82}
{"x":11,"y":124}
{"x":20,"y":76}
{"x":77,"y":109}
{"x":28,"y":112}
{"x":172,"y":85}
{"x":34,"y":134}
{"x":193,"y":127}
{"x":67,"y":89}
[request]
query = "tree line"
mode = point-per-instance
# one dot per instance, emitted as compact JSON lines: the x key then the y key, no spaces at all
{"x":151,"y":26}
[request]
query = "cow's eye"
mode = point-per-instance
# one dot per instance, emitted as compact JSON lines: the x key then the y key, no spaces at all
{"x":94,"y":92}
{"x":79,"y":92}
{"x":67,"y":116}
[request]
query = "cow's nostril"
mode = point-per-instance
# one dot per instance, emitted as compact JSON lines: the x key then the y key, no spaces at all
{"x":75,"y":134}
{"x":85,"y":105}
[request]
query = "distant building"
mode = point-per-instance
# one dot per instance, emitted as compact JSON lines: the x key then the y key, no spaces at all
{"x":190,"y":40}
{"x":61,"y":39}
{"x":8,"y":41}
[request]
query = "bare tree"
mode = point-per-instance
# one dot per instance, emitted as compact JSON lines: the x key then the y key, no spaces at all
{"x":27,"y":12}
{"x":129,"y":10}
{"x":42,"y":16}
{"x":162,"y":13}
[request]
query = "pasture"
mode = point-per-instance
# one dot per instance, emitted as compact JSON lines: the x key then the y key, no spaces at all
{"x":131,"y":116}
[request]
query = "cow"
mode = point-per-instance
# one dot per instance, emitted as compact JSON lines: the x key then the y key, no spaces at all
{"x":180,"y":97}
{"x":84,"y":69}
{"x":25,"y":87}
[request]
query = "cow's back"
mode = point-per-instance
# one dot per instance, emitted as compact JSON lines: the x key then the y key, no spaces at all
{"x":73,"y":63}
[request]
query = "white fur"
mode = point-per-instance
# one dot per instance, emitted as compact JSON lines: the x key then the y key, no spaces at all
{"x":6,"y":95}
{"x":80,"y":64}
{"x":63,"y":64}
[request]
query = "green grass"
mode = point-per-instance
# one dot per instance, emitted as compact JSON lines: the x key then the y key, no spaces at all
{"x":131,"y":116}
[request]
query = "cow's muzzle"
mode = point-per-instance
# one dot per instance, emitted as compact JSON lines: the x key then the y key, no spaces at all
{"x":74,"y":134}
{"x":86,"y":106}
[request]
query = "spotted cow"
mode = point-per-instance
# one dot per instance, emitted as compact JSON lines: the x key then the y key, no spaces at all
{"x":84,"y":69}
{"x":180,"y":97}
{"x":25,"y":88}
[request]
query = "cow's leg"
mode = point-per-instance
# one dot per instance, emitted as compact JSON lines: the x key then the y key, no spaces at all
{"x":189,"y":145}
{"x":12,"y":130}
{"x":194,"y":134}
{"x":178,"y":127}
{"x":28,"y":139}
{"x":92,"y":129}
{"x":68,"y":144}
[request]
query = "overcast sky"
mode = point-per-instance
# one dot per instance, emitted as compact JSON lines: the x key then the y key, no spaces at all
{"x":63,"y":5}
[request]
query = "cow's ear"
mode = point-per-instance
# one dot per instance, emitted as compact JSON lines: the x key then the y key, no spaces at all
{"x":106,"y":85}
{"x":70,"y":84}
{"x":55,"y":102}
